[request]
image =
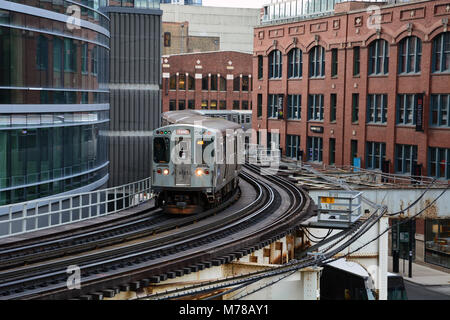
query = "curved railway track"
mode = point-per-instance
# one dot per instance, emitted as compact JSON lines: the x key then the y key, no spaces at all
{"x":278,"y":208}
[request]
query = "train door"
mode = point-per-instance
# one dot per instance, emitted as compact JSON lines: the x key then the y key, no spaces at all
{"x":182,"y":164}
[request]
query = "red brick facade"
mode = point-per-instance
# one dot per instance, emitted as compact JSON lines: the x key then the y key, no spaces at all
{"x":344,"y":31}
{"x":233,"y":71}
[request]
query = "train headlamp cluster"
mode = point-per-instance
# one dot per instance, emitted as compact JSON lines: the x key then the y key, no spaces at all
{"x":164,"y":171}
{"x":199,"y":172}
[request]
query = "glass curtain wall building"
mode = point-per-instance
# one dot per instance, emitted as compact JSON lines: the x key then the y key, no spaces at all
{"x":54,"y":98}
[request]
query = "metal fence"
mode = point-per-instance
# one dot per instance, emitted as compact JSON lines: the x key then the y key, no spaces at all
{"x":55,"y":211}
{"x":340,"y":208}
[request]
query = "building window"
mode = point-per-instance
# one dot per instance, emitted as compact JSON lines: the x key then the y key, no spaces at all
{"x":191,"y":82}
{"x":274,"y":105}
{"x":377,"y":108}
{"x":333,"y":103}
{"x":439,"y":162}
{"x":353,"y":150}
{"x":440,"y":108}
{"x":355,"y":107}
{"x":237,"y":84}
{"x":275,"y":64}
{"x":181,"y":104}
{"x":356,"y":61}
{"x":379,"y":57}
{"x":182,"y":82}
{"x":167,"y":38}
{"x":173,"y":82}
{"x":259,"y":106}
{"x":205,"y":83}
{"x":332,"y":150}
{"x":205,"y":104}
{"x":292,"y":146}
{"x":94,"y":60}
{"x":42,"y":53}
{"x":222,"y":84}
{"x":441,"y":53}
{"x":437,"y":243}
{"x":317,"y":62}
{"x":84,"y":58}
{"x":191,"y":104}
{"x":409,"y":55}
{"x":245,"y":83}
{"x":236,"y":104}
{"x":172,"y":105}
{"x":334,"y":62}
{"x":375,"y":154}
{"x":57,"y":54}
{"x":406,"y":109}
{"x":295,"y":63}
{"x":260,"y":67}
{"x":213,"y":79}
{"x":213,"y":105}
{"x":315,"y":148}
{"x":405,"y":158}
{"x":70,"y":56}
{"x":315,"y":107}
{"x":294,"y":107}
{"x":244,"y":104}
{"x":222,"y":105}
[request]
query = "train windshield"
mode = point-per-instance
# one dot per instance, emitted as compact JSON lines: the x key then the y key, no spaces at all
{"x":161,"y":150}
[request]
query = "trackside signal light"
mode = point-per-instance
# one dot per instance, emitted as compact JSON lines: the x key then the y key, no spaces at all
{"x":165,"y":172}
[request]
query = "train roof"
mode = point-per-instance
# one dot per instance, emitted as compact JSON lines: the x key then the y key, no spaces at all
{"x":192,"y":117}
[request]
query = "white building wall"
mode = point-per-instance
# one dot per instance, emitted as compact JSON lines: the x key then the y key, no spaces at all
{"x":234,"y":26}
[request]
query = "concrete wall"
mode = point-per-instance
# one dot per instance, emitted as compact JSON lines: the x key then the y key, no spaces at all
{"x":234,"y":26}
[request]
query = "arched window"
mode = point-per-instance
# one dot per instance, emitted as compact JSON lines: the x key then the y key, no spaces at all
{"x":275,"y":64}
{"x":409,"y":55}
{"x":441,"y":53}
{"x":222,"y":84}
{"x":379,"y":57}
{"x":191,"y":82}
{"x":317,"y":62}
{"x":182,"y":81}
{"x":295,"y":63}
{"x":173,"y":82}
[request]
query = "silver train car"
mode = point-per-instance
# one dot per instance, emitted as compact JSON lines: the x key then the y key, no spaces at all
{"x":195,"y":163}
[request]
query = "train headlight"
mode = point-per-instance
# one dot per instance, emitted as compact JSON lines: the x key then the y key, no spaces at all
{"x":166,"y":172}
{"x":199,"y":172}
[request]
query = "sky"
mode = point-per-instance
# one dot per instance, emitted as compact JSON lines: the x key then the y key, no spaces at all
{"x":235,"y":3}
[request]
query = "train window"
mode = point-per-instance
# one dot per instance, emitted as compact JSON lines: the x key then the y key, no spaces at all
{"x":207,"y":154}
{"x":161,"y":150}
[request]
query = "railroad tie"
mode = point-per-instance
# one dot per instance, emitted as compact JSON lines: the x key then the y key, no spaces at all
{"x":134,"y":286}
{"x":124,"y":287}
{"x":97,"y":296}
{"x":145,"y":283}
{"x":109,"y":293}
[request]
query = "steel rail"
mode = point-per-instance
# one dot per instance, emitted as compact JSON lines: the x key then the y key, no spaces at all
{"x":102,"y":261}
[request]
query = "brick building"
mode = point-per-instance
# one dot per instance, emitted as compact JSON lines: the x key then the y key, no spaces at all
{"x":371,"y":84}
{"x":220,"y":80}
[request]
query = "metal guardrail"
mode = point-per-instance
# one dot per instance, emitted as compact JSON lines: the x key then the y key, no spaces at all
{"x":340,"y":208}
{"x":56,"y":211}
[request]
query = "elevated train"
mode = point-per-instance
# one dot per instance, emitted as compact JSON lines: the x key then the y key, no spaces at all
{"x":196,"y":162}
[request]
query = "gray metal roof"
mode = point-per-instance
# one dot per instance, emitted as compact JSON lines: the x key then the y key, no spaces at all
{"x":192,"y":117}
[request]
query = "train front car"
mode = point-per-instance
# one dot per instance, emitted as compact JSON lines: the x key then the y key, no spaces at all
{"x":188,"y":175}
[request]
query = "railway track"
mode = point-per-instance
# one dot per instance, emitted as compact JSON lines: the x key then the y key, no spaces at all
{"x":279,"y":206}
